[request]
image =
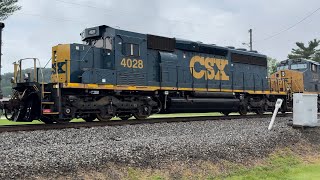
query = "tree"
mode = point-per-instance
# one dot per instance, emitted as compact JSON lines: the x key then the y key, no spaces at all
{"x":7,"y":8}
{"x":272,"y":65}
{"x":306,"y":52}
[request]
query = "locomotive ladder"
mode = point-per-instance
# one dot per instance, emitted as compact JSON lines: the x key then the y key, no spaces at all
{"x":47,"y":103}
{"x":45,"y":94}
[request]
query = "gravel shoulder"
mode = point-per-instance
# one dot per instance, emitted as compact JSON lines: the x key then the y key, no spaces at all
{"x":56,"y":152}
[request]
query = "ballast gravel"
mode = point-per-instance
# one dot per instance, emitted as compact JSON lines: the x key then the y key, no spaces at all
{"x":54,"y":152}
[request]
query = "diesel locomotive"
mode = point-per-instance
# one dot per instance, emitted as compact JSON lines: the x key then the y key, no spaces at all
{"x":300,"y":76}
{"x":120,"y":73}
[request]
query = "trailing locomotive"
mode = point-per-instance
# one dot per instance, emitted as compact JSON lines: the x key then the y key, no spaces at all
{"x":124,"y":74}
{"x":300,"y":76}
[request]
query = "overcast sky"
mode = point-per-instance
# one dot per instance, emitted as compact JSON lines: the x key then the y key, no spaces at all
{"x":42,"y":24}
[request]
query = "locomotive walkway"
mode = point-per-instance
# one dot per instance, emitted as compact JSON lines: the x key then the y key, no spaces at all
{"x":35,"y":127}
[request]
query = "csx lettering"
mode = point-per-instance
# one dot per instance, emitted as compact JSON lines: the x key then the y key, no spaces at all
{"x":60,"y":67}
{"x":129,"y":63}
{"x":209,"y":72}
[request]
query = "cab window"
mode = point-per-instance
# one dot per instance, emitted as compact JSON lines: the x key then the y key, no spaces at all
{"x":299,"y":66}
{"x":130,"y":49}
{"x":105,"y":43}
{"x":282,"y":68}
{"x":313,"y":67}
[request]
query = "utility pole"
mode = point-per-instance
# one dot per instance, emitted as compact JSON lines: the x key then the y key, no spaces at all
{"x":250,"y":31}
{"x":1,"y":27}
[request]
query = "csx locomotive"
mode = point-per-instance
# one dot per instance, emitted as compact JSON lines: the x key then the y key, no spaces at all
{"x":301,"y":74}
{"x":124,"y":74}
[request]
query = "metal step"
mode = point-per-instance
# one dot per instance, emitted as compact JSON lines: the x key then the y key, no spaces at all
{"x":50,"y":113}
{"x":47,"y":102}
{"x":46,"y":92}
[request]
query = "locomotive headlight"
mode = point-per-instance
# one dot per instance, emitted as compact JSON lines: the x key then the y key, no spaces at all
{"x":12,"y":80}
{"x":92,"y":32}
{"x":26,"y":76}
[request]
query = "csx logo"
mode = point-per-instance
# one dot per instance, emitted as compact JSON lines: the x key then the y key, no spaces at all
{"x":207,"y":70}
{"x":61,"y":67}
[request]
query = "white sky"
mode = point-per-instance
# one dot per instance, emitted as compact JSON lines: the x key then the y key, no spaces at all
{"x":42,"y":24}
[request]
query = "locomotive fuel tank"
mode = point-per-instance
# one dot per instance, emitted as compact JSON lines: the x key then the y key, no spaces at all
{"x":204,"y":102}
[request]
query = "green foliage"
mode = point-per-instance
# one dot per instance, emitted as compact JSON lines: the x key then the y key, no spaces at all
{"x":6,"y":79}
{"x":307,"y":52}
{"x":7,"y":8}
{"x":272,"y":65}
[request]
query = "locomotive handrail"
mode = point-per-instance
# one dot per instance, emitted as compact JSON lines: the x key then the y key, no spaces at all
{"x":35,"y":77}
{"x":19,"y":66}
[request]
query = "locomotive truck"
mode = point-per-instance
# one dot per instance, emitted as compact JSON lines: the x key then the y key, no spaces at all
{"x":120,"y":73}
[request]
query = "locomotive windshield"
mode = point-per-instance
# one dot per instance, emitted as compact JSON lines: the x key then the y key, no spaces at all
{"x":283,"y":67}
{"x":105,"y":43}
{"x":298,"y":66}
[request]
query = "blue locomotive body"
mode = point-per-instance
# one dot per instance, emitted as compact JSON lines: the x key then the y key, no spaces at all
{"x":117,"y":57}
{"x":121,"y":73}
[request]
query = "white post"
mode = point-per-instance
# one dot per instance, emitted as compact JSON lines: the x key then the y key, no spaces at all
{"x":275,"y":112}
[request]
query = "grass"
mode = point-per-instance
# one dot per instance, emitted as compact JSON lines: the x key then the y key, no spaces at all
{"x":7,"y":122}
{"x":284,"y":164}
{"x":276,"y":167}
{"x":290,"y":172}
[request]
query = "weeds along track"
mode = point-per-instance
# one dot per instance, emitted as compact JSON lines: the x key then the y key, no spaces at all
{"x":35,"y":127}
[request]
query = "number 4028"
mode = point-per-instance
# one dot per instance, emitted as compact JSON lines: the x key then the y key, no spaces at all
{"x":129,"y":63}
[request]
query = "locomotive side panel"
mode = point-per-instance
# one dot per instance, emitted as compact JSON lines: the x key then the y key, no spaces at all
{"x":131,"y":61}
{"x":311,"y":78}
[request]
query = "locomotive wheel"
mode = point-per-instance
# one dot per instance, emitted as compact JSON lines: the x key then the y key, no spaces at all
{"x":29,"y":105}
{"x":104,"y":118}
{"x":226,"y":113}
{"x":282,"y":110}
{"x":259,"y":111}
{"x":20,"y":115}
{"x":143,"y":113}
{"x":140,"y":117}
{"x":90,"y":118}
{"x":125,"y":117}
{"x":243,"y":110}
{"x":10,"y":114}
{"x":46,"y":120}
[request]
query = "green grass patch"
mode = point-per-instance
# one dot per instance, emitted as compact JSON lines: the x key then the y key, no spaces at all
{"x":283,"y":165}
{"x":4,"y":122}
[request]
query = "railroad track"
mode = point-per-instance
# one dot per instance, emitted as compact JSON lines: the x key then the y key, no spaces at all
{"x":34,"y":127}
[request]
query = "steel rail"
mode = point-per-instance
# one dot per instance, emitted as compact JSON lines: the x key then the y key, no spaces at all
{"x":77,"y":125}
